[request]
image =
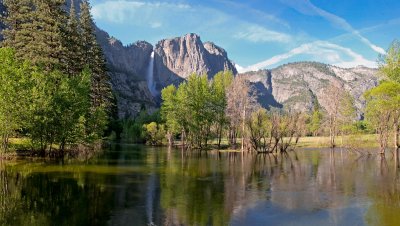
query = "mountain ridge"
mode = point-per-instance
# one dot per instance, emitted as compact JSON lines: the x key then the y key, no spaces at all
{"x":302,"y":84}
{"x":298,"y":85}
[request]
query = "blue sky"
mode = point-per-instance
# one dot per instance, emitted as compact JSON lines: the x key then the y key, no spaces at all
{"x":262,"y":33}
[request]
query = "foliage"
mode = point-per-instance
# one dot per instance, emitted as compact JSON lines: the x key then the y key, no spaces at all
{"x":51,"y":107}
{"x":390,"y":62}
{"x":14,"y":89}
{"x":260,"y":130}
{"x":58,"y":72}
{"x":154,"y":133}
{"x":383,"y":103}
{"x":315,"y":121}
{"x":275,"y":130}
{"x":58,"y":108}
{"x":133,"y":130}
{"x":196,"y":107}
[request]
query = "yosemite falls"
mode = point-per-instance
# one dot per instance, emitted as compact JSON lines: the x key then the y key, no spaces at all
{"x":150,"y":76}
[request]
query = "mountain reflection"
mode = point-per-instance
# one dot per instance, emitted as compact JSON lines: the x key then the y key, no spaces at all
{"x":155,"y":186}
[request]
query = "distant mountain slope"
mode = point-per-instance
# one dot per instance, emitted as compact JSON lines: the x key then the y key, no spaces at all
{"x":299,"y":85}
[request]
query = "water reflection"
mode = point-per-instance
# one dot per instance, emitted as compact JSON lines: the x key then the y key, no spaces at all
{"x":152,"y":186}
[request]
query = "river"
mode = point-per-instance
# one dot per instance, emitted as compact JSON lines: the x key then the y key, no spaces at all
{"x":138,"y":185}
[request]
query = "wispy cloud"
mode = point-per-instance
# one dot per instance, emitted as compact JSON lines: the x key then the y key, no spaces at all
{"x":155,"y":24}
{"x":257,"y":13}
{"x":175,"y":17}
{"x":320,"y":51}
{"x":257,"y":33}
{"x":121,"y":11}
{"x":307,"y":8}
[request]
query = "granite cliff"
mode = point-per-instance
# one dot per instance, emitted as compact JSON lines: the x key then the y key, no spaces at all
{"x":300,"y":85}
{"x":174,"y":60}
{"x":177,"y":58}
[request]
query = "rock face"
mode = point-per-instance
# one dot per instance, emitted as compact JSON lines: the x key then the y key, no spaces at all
{"x":177,"y":58}
{"x":300,"y":85}
{"x":127,"y":69}
{"x":174,"y":60}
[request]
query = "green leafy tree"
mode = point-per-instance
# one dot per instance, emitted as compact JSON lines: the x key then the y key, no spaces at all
{"x":390,"y":62}
{"x":195,"y":107}
{"x":155,"y":133}
{"x":315,"y":120}
{"x":260,"y":128}
{"x":58,"y":109}
{"x":220,"y":84}
{"x":14,"y":94}
{"x":169,"y":112}
{"x":383,"y":103}
{"x":390,"y":68}
{"x":201,"y":114}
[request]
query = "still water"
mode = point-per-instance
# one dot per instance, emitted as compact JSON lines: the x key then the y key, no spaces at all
{"x":136,"y":185}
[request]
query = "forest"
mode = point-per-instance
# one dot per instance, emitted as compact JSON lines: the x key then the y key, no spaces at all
{"x":55,"y":90}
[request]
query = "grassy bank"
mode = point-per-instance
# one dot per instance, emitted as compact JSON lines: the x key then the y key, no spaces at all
{"x":361,"y":141}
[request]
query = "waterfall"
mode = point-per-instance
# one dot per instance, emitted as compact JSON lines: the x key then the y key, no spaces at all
{"x":150,"y":76}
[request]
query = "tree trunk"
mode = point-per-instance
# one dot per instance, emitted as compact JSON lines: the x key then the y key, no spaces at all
{"x":396,"y":134}
{"x":219,"y":136}
{"x":243,"y":127}
{"x":170,"y":139}
{"x":183,"y":137}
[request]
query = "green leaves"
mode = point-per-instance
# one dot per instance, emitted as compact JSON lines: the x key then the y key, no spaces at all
{"x":390,"y":63}
{"x":63,"y":102}
{"x":13,"y":94}
{"x":196,"y":106}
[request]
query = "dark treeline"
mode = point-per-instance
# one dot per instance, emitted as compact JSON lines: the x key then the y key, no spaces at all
{"x":55,"y":89}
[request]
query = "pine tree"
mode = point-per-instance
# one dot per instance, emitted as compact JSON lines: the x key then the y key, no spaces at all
{"x":17,"y":19}
{"x":36,"y":32}
{"x":73,"y":59}
{"x":93,"y":58}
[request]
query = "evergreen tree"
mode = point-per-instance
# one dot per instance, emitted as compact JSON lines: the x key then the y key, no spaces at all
{"x":36,"y":31}
{"x":70,"y":89}
{"x":93,"y":58}
{"x":73,"y":58}
{"x":17,"y":19}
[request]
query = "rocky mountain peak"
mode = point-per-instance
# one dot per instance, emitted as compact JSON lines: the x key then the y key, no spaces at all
{"x":214,"y":49}
{"x":177,"y":58}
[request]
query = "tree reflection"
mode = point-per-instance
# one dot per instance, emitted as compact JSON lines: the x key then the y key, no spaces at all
{"x":174,"y":187}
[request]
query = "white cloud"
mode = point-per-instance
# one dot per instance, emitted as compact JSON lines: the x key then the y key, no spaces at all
{"x":155,"y":24}
{"x":178,"y":19}
{"x":255,"y":33}
{"x":319,"y":51}
{"x":121,"y":11}
{"x":306,"y":7}
{"x":267,"y":17}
